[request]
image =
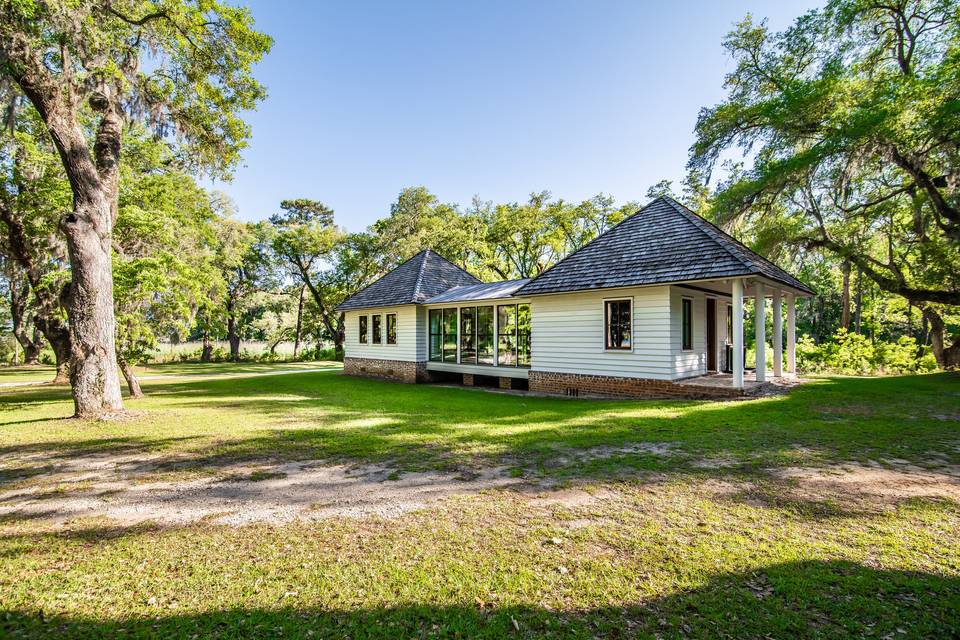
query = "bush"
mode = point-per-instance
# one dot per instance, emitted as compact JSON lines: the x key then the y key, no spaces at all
{"x":854,"y":354}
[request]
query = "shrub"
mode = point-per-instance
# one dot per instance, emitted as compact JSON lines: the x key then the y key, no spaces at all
{"x":855,"y":354}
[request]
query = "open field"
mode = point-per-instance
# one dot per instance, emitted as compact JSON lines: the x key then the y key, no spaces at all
{"x":308,"y":504}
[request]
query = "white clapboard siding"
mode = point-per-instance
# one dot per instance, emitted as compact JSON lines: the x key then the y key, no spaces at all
{"x":411,"y":328}
{"x":692,"y":362}
{"x":568,"y":334}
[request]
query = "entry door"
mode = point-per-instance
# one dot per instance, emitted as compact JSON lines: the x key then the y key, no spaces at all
{"x":711,"y":334}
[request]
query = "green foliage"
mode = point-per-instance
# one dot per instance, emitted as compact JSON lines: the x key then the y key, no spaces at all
{"x":852,"y":353}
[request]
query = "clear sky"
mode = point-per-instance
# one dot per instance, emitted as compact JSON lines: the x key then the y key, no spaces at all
{"x":494,"y":98}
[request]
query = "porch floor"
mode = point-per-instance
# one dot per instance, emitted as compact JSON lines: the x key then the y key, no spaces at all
{"x":751,"y":387}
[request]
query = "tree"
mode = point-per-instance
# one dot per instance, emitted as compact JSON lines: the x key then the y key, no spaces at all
{"x":89,"y":68}
{"x":33,"y":193}
{"x":849,"y":118}
{"x":305,"y":237}
{"x":163,"y":267}
{"x":243,"y":259}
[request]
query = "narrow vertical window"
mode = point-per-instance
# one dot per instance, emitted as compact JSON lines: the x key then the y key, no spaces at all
{"x":436,"y":335}
{"x":449,"y":335}
{"x":468,"y":335}
{"x":507,"y":329}
{"x":485,"y":335}
{"x":363,"y":329}
{"x":391,"y":328}
{"x":523,"y":335}
{"x":687,"y":323}
{"x":617,"y":318}
{"x":729,"y":324}
{"x":377,"y":332}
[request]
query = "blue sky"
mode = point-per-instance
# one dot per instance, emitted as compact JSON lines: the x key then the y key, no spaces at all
{"x":490,"y":98}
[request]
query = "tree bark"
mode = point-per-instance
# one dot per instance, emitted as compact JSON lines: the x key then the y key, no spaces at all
{"x":19,"y":299}
{"x":207,"y":351}
{"x":858,"y":316}
{"x":93,"y":363}
{"x":296,"y":340}
{"x":947,"y":357}
{"x":131,"y":377}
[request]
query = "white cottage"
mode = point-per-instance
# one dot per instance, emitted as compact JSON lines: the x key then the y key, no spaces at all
{"x":647,"y":309}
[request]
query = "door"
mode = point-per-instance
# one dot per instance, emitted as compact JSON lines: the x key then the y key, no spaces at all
{"x":711,"y":334}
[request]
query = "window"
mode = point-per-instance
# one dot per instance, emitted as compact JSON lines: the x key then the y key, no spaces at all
{"x":377,"y":333}
{"x":391,"y":328}
{"x":443,"y":335}
{"x":449,"y":335}
{"x":617,"y":318}
{"x":485,"y":335}
{"x":523,"y":335}
{"x":729,"y":324}
{"x":507,"y":329}
{"x":363,"y":329}
{"x":436,"y":335}
{"x":686,"y":324}
{"x":468,"y":335}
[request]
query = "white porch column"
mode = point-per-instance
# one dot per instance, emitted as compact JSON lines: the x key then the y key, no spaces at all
{"x":760,"y":313}
{"x":791,"y":334}
{"x":777,"y":335}
{"x":737,"y":364}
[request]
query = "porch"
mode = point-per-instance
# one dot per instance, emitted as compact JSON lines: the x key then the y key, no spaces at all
{"x":719,"y":382}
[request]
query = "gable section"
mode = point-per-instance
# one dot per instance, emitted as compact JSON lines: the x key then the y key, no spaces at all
{"x":663,"y":242}
{"x":416,"y":280}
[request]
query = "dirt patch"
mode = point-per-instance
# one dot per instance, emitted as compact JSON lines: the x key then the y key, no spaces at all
{"x":276,"y":494}
{"x":873,"y":483}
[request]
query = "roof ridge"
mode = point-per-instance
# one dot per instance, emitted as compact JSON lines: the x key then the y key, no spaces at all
{"x":423,"y":265}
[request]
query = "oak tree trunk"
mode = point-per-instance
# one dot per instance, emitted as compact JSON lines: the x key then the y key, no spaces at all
{"x":19,"y":299}
{"x":207,"y":351}
{"x":131,"y":377}
{"x":93,"y":363}
{"x":296,"y":340}
{"x":947,"y":357}
{"x":845,"y":297}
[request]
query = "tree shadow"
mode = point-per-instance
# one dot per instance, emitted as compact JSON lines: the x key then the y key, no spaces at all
{"x":807,"y":599}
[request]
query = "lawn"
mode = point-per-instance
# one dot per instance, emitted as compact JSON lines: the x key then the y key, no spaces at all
{"x":830,"y":512}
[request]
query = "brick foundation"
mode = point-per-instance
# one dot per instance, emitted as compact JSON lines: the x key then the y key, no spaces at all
{"x":398,"y":370}
{"x":468,"y":379}
{"x":575,"y":384}
{"x":506,"y":382}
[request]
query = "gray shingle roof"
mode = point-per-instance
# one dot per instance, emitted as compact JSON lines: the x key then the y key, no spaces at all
{"x":663,"y":242}
{"x":414,"y":282}
{"x":483,"y":291}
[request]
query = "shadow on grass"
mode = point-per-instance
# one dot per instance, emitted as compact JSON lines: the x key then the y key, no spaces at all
{"x":800,"y":599}
{"x":326,"y":416}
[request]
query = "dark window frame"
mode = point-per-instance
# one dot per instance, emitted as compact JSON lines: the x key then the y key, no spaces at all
{"x":431,"y":334}
{"x":376,"y":328}
{"x":391,"y":327}
{"x":613,"y":337}
{"x":362,"y":325}
{"x":686,"y":324}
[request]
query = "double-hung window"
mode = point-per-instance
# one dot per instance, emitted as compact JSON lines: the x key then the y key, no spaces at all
{"x":617,"y":319}
{"x":468,"y":335}
{"x":513,"y":327}
{"x":391,"y":328}
{"x":377,"y":332}
{"x":686,"y":323}
{"x":485,"y":337}
{"x":363,"y":330}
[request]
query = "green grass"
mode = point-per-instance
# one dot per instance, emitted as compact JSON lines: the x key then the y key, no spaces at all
{"x":679,"y":546}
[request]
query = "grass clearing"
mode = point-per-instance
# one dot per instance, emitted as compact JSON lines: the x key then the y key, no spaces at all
{"x":627,"y":519}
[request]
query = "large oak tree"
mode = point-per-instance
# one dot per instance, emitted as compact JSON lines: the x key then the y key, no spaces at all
{"x":89,"y":68}
{"x":849,"y":127}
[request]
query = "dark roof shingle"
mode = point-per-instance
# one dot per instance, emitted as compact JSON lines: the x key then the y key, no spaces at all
{"x":663,"y":242}
{"x":420,"y":278}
